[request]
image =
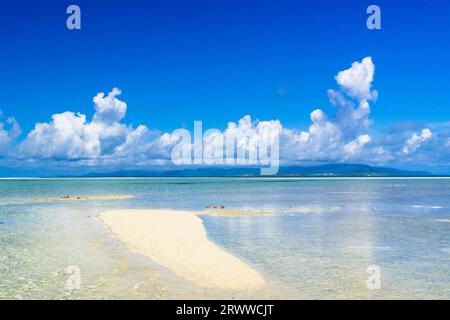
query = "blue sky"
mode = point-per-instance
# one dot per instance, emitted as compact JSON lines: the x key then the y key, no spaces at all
{"x":216,"y":61}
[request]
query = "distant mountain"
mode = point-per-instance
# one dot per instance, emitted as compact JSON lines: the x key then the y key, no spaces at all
{"x":326,"y":170}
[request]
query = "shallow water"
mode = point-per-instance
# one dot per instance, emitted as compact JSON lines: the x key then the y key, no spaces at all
{"x":316,"y":238}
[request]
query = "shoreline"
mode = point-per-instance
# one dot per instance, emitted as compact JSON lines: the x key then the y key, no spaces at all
{"x":178,"y":241}
{"x":262,"y":178}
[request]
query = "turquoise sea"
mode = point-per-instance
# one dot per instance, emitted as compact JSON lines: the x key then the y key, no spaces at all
{"x":311,"y":238}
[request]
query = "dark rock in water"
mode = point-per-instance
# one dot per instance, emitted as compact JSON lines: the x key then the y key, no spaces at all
{"x":215,"y":207}
{"x":1,"y":222}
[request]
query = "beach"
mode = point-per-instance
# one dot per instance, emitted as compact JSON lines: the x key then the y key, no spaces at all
{"x":178,"y":241}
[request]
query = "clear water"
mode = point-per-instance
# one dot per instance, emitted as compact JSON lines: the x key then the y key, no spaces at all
{"x":317,"y":241}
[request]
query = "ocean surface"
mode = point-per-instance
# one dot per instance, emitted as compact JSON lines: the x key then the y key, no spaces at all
{"x":310,"y":238}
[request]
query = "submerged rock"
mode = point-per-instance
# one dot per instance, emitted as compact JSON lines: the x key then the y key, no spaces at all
{"x":215,"y":207}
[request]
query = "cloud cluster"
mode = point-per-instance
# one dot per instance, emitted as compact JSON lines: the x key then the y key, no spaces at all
{"x":357,"y":80}
{"x":343,"y":136}
{"x":413,"y":143}
{"x":70,"y":136}
{"x":9,"y":132}
{"x":248,"y":139}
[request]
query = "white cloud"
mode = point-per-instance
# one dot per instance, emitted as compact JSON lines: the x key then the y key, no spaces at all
{"x":357,"y":80}
{"x":416,"y":141}
{"x":142,"y":145}
{"x":71,"y":136}
{"x":109,"y":109}
{"x":246,"y":136}
{"x":66,"y":136}
{"x":105,"y":141}
{"x":105,"y":138}
{"x":356,"y":145}
{"x":9,"y":131}
{"x":345,"y":134}
{"x":340,"y":137}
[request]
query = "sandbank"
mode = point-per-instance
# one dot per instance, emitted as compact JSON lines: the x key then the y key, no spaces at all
{"x":178,"y":241}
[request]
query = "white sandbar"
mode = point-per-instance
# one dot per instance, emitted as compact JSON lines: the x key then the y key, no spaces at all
{"x":85,"y":198}
{"x":177,"y":240}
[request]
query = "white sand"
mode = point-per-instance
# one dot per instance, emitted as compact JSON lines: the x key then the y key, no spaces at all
{"x":178,"y":241}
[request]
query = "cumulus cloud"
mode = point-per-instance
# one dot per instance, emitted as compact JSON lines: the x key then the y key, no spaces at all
{"x":106,"y":140}
{"x":357,"y":80}
{"x":415,"y":142}
{"x":109,"y":109}
{"x":70,"y":136}
{"x":341,"y":136}
{"x":344,"y":134}
{"x":9,"y":131}
{"x":244,"y":140}
{"x":356,"y":145}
